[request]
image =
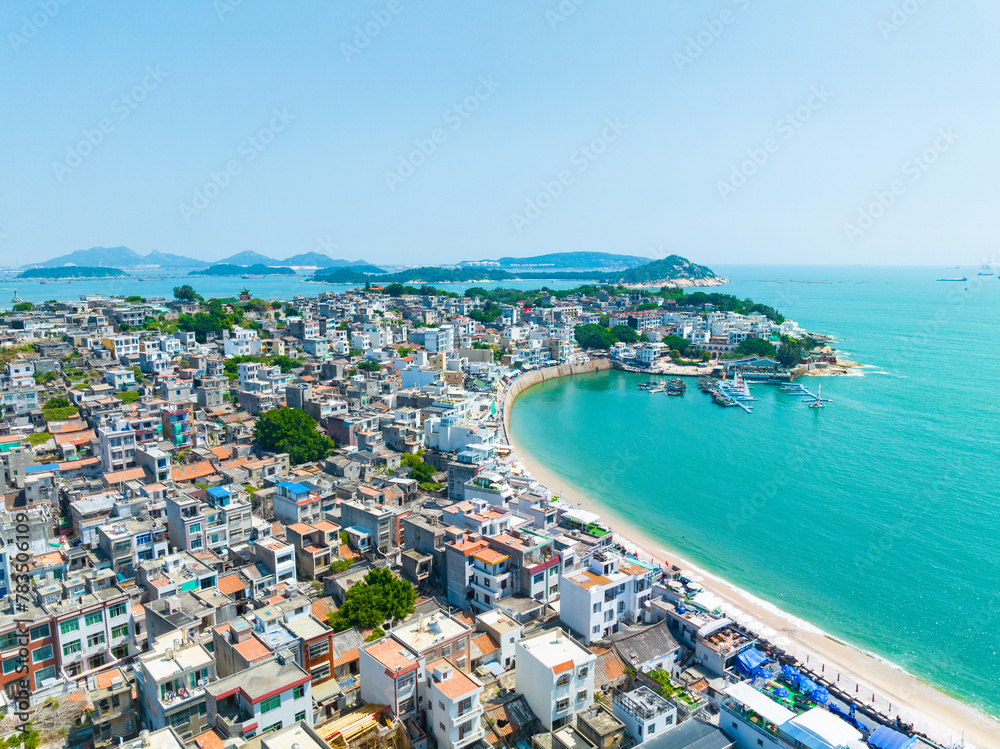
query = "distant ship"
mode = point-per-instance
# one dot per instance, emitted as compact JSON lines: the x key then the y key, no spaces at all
{"x":249,"y":276}
{"x":963,"y":278}
{"x":986,"y":270}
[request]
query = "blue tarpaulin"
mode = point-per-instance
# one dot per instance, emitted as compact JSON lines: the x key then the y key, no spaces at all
{"x":820,"y":695}
{"x":789,"y":674}
{"x":750,"y":662}
{"x":884,"y":737}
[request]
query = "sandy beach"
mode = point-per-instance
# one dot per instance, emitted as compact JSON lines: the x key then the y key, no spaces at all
{"x":941,"y":717}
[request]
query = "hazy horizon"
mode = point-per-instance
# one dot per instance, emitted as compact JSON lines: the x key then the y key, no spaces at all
{"x":733,"y":132}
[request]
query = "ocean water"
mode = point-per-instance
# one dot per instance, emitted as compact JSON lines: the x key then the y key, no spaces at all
{"x":270,"y":287}
{"x":875,"y":518}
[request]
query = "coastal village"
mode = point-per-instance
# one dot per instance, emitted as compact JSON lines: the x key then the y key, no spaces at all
{"x":299,"y":525}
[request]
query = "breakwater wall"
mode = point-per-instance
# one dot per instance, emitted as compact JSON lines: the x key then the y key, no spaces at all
{"x":530,"y":379}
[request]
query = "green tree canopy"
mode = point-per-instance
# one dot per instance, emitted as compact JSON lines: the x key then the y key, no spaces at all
{"x":292,"y":431}
{"x":382,"y":596}
{"x":186,"y":293}
{"x":594,"y":336}
{"x":625,"y":333}
{"x":756,"y":346}
{"x":369,"y":365}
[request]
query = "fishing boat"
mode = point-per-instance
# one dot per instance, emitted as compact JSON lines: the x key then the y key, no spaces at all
{"x":986,"y":270}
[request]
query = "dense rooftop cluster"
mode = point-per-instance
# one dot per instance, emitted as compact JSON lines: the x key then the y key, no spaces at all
{"x":389,"y":576}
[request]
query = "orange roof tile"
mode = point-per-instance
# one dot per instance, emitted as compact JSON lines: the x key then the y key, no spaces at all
{"x":321,"y":608}
{"x":232,"y":584}
{"x":192,"y":472}
{"x":348,"y":656}
{"x":209,"y":740}
{"x":129,"y":474}
{"x":564,"y":666}
{"x":485,"y":643}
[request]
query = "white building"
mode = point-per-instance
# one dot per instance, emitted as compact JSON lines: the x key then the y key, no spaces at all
{"x":556,"y":676}
{"x":454,"y":710}
{"x":266,"y":697}
{"x":116,"y":447}
{"x":595,"y":602}
{"x":644,"y":713}
{"x":242,"y":342}
{"x":389,"y":671}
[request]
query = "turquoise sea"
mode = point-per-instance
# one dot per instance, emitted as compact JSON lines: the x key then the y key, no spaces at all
{"x":271,"y":287}
{"x":876,"y":519}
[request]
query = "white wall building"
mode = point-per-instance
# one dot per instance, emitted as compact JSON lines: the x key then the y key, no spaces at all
{"x":454,"y":710}
{"x":556,"y":676}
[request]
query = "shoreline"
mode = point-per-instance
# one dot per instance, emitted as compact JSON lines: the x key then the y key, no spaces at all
{"x":942,"y":717}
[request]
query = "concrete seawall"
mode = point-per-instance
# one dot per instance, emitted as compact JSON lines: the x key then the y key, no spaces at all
{"x":538,"y":376}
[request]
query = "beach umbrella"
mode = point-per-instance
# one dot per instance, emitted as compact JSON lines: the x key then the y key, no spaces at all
{"x":789,"y":674}
{"x":726,"y":606}
{"x":693,"y":586}
{"x":734,"y":613}
{"x":767,"y":632}
{"x":821,"y":695}
{"x":744,"y":619}
{"x":781,"y":693}
{"x":752,"y":624}
{"x":687,"y":574}
{"x":698,"y":578}
{"x":782,"y":642}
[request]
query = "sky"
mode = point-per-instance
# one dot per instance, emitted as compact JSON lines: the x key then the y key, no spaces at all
{"x":417,"y":132}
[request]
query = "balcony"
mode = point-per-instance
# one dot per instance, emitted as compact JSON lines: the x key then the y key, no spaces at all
{"x":234,"y":721}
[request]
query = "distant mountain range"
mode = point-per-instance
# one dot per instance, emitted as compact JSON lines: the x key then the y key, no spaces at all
{"x":123,"y":257}
{"x":562,"y":261}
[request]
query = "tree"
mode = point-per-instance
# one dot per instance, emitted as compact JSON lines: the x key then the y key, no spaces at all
{"x":594,"y":336}
{"x":382,"y":596}
{"x":789,"y":352}
{"x":403,"y":351}
{"x":133,"y":299}
{"x":23,"y":307}
{"x":676,"y":342}
{"x":369,"y":365}
{"x":292,"y":431}
{"x":186,"y":293}
{"x":756,"y":346}
{"x":625,"y":333}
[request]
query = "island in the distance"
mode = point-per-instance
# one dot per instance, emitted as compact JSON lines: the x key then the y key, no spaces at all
{"x":673,"y":271}
{"x":73,"y":271}
{"x":258,"y":270}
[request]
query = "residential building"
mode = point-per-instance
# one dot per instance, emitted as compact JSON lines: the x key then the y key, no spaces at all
{"x":556,"y":676}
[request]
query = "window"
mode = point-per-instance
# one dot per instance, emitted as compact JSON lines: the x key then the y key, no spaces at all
{"x":72,"y":647}
{"x":119,"y":609}
{"x":299,"y":717}
{"x":49,"y":672}
{"x":299,"y":692}
{"x":562,"y":681}
{"x":460,"y":645}
{"x":581,"y":696}
{"x":582,"y":673}
{"x":9,"y":665}
{"x":40,"y":632}
{"x":194,"y":528}
{"x":597,"y":629}
{"x":71,"y":625}
{"x":97,"y":639}
{"x":562,"y":705}
{"x":93,"y":618}
{"x":275,"y":727}
{"x":41,"y":654}
{"x":652,"y":729}
{"x":440,"y":705}
{"x":597,"y":607}
{"x":319,"y":648}
{"x":270,"y":704}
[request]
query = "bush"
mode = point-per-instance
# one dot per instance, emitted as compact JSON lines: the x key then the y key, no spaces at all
{"x":382,"y":596}
{"x":128,"y":396}
{"x":38,"y":439}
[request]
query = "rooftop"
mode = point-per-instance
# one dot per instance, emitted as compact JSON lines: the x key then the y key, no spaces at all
{"x":554,"y":649}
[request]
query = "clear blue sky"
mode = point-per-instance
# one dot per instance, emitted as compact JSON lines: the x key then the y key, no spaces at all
{"x":662,"y":182}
